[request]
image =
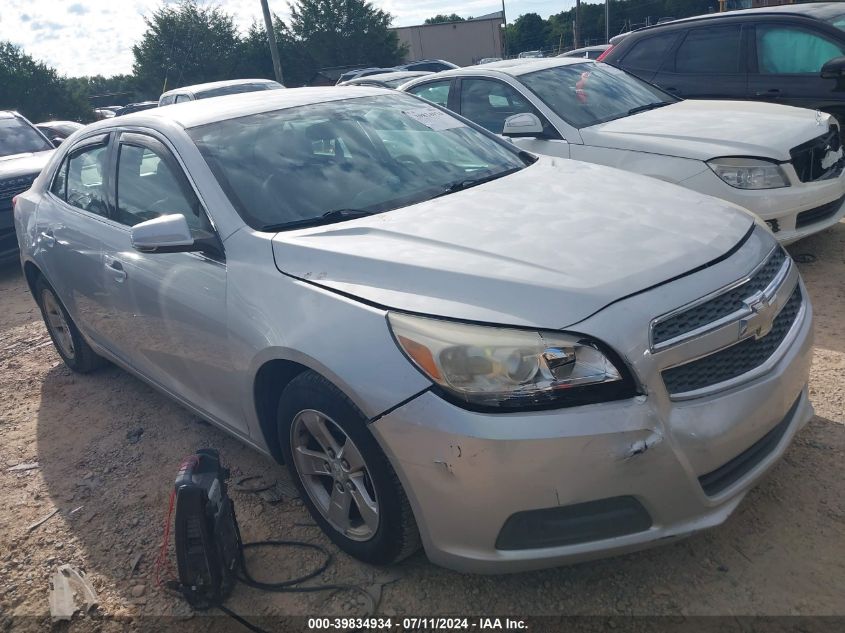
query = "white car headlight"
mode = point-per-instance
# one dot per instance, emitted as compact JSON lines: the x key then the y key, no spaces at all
{"x":749,"y":173}
{"x":508,"y":368}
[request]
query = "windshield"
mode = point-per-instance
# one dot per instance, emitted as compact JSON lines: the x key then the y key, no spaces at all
{"x":328,"y":162}
{"x":587,"y":94}
{"x":17,"y":137}
{"x":395,"y":83}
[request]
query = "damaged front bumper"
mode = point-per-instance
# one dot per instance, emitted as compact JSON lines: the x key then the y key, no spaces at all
{"x":499,"y":493}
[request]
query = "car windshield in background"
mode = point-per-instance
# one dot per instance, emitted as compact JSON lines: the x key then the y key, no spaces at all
{"x":16,"y":137}
{"x":233,"y":90}
{"x":838,"y":21}
{"x":588,"y":94}
{"x":395,"y":83}
{"x":327,"y":162}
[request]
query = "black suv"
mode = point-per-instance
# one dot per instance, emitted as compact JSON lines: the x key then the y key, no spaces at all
{"x":24,"y":150}
{"x":790,"y":54}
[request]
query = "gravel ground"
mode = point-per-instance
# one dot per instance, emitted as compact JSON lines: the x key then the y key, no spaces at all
{"x":108,"y":447}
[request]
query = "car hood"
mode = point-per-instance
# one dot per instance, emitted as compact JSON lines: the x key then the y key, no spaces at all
{"x":709,"y":129}
{"x":23,"y":164}
{"x":544,"y":247}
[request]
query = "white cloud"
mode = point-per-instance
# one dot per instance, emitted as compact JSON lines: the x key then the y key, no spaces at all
{"x":95,"y":37}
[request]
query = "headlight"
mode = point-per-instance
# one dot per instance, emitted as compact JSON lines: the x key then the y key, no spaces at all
{"x":508,"y":368}
{"x":749,"y":173}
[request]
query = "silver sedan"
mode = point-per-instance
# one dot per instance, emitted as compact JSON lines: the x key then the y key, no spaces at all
{"x":515,"y":361}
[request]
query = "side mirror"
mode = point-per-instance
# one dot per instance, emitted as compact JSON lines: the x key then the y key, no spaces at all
{"x":834,"y":68}
{"x":57,"y":140}
{"x":523,"y":125}
{"x":165,"y":234}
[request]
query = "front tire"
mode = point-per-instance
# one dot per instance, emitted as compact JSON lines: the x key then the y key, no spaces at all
{"x":344,"y":478}
{"x":68,"y":341}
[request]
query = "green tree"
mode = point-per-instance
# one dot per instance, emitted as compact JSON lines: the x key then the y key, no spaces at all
{"x":440,"y":18}
{"x":332,"y":33}
{"x":528,"y":32}
{"x":185,"y":44}
{"x":36,"y":90}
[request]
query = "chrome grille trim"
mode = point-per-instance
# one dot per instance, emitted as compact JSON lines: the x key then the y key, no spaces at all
{"x":769,"y":290}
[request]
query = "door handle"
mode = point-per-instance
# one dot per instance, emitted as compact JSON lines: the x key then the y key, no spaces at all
{"x":671,"y":89}
{"x":774,"y":92}
{"x":48,"y":238}
{"x":116,"y":269}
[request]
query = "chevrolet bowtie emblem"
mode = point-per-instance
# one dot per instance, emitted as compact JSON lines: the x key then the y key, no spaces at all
{"x":760,"y":321}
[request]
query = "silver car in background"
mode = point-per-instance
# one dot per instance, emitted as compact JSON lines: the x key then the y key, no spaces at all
{"x":517,"y":361}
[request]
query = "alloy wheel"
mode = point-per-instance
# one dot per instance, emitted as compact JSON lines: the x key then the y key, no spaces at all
{"x":57,"y":324}
{"x":334,"y":474}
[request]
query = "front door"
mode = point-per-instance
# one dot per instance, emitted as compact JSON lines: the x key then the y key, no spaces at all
{"x":171,"y":306}
{"x":786,"y":64}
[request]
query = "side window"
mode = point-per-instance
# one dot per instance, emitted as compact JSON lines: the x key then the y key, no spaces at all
{"x":714,"y":50}
{"x":488,"y":103}
{"x":60,"y":181}
{"x":791,"y":50}
{"x":436,"y":92}
{"x":648,"y":53}
{"x":85,"y":170}
{"x":182,"y":98}
{"x":150,"y":184}
{"x":167,"y":100}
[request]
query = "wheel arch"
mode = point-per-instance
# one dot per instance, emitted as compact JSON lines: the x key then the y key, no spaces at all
{"x":31,"y":273}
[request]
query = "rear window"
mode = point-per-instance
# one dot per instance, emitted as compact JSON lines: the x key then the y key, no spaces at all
{"x":18,"y":137}
{"x":710,"y":51}
{"x":648,"y":53}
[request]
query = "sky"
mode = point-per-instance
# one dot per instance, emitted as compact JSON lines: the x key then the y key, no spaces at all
{"x":95,"y":37}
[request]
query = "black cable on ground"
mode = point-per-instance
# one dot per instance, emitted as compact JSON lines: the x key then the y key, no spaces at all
{"x":294,"y":584}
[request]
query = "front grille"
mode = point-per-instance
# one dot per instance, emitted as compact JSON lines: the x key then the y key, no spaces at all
{"x":12,"y":187}
{"x":825,"y":211}
{"x":727,"y":474}
{"x":735,"y":360}
{"x":807,"y":158}
{"x":721,"y":306}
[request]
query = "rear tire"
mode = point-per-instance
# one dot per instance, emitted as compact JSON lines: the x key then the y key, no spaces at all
{"x":344,"y":478}
{"x":68,"y":341}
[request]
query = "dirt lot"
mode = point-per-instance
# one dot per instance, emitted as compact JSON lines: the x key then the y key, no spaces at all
{"x":108,"y":447}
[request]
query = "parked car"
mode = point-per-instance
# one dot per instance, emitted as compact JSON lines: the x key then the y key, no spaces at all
{"x":517,"y":361}
{"x":588,"y":52}
{"x":24,"y":150}
{"x":386,"y":80}
{"x":106,"y":112}
{"x":428,"y":65}
{"x":136,"y":107}
{"x":349,"y":75}
{"x":58,"y":131}
{"x":489,"y":60}
{"x":784,"y":164}
{"x":216,"y":89}
{"x":792,"y":54}
{"x":530,"y":54}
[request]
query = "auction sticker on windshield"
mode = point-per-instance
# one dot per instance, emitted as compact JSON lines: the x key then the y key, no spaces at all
{"x":433,"y":118}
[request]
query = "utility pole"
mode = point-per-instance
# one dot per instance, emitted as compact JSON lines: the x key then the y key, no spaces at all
{"x":607,"y":21}
{"x":271,"y":40}
{"x":504,"y":32}
{"x":575,"y":31}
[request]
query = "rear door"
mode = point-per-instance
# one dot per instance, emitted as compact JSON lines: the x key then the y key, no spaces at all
{"x":648,"y":54}
{"x":786,"y":60}
{"x":708,"y":62}
{"x":72,"y":221}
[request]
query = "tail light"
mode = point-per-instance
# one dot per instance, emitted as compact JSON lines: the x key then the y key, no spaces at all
{"x":15,"y":200}
{"x":601,"y":57}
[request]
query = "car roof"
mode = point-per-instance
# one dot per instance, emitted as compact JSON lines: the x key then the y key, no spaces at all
{"x":597,"y":47}
{"x":8,"y":114}
{"x":193,"y":113}
{"x":514,"y":67}
{"x":818,"y":10}
{"x":399,"y":74}
{"x":196,"y":88}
